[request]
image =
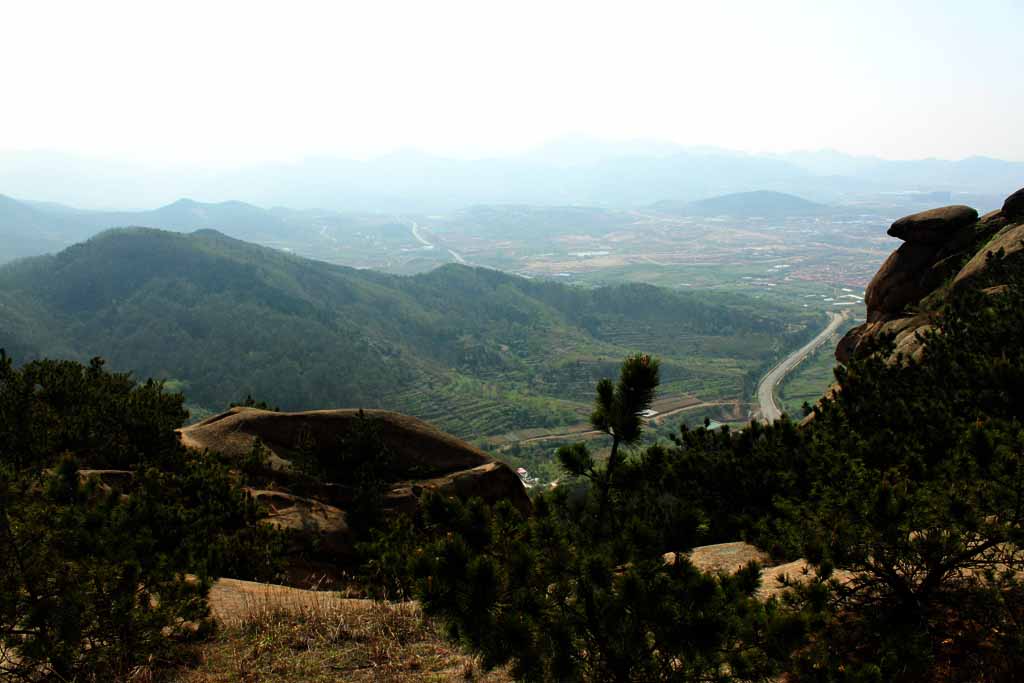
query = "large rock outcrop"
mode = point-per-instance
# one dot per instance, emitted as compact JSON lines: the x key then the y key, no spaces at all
{"x":422,"y":459}
{"x":935,"y":226}
{"x":943,"y":249}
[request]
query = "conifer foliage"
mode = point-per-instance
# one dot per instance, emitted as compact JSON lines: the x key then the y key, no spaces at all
{"x":580,"y":590}
{"x":904,"y":493}
{"x":102,"y":514}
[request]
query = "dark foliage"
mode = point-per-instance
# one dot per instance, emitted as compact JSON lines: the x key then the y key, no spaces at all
{"x":92,"y":574}
{"x":911,"y":480}
{"x":580,"y":590}
{"x":904,"y":492}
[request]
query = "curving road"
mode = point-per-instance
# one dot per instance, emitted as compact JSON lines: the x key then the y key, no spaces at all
{"x":422,"y":240}
{"x":430,"y":245}
{"x":770,"y":410}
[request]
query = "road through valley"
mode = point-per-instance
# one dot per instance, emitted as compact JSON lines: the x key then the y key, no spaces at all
{"x":770,"y":410}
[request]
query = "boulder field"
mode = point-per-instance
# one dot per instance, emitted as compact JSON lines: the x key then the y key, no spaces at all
{"x":943,"y":249}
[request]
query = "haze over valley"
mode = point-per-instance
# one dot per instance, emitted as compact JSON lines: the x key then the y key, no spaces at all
{"x":650,"y":342}
{"x":762,"y":261}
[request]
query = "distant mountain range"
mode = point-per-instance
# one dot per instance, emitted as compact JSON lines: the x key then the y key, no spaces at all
{"x":570,"y":172}
{"x":29,"y":228}
{"x":32,"y":227}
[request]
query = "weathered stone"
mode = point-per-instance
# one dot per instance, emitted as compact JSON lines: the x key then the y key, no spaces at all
{"x":897,"y":284}
{"x":1010,"y":240}
{"x":904,"y":330}
{"x":313,"y":521}
{"x":419,"y":450}
{"x":728,"y":558}
{"x":1014,"y":204}
{"x":914,"y":276}
{"x":941,"y":271}
{"x":994,"y":215}
{"x":847,"y":346}
{"x":936,"y":226}
{"x":490,"y":482}
{"x":996,"y":290}
{"x":422,"y":459}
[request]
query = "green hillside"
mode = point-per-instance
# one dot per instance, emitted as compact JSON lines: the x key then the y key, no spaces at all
{"x":475,"y":351}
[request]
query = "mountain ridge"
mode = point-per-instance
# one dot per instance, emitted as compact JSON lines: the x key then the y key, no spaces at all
{"x":223,"y":318}
{"x":419,"y":182}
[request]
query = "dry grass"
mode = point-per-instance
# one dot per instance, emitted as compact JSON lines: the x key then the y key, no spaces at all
{"x":269,"y":633}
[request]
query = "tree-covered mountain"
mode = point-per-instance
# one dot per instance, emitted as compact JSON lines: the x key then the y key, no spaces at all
{"x":28,"y":230}
{"x":31,"y":228}
{"x":474,"y":350}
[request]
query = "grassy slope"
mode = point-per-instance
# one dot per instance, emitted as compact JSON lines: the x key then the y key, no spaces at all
{"x":271,"y":633}
{"x":473,"y":350}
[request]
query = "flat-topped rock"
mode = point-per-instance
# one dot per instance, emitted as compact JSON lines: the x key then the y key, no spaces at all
{"x":726,"y":557}
{"x":935,"y":226}
{"x":423,"y":457}
{"x":416,"y":446}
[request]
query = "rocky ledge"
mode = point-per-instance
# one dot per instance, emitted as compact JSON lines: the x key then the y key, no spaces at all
{"x":422,"y":458}
{"x":943,"y":249}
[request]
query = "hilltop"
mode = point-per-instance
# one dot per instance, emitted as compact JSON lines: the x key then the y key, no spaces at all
{"x":33,"y":228}
{"x":763,"y":203}
{"x":26,"y":230}
{"x":476,"y":351}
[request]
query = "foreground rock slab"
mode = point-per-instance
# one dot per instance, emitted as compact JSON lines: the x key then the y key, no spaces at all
{"x":422,"y":459}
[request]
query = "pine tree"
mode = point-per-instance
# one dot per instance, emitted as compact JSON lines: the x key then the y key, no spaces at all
{"x":580,"y":590}
{"x":617,"y":413}
{"x":92,"y":574}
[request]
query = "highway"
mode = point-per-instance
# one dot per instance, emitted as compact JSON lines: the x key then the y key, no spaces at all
{"x":770,"y":410}
{"x":419,"y":237}
{"x":429,"y":245}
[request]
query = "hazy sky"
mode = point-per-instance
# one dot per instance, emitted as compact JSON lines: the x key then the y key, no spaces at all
{"x":244,"y":81}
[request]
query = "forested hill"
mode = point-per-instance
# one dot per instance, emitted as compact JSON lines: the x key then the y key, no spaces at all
{"x":759,"y":203}
{"x":474,"y":350}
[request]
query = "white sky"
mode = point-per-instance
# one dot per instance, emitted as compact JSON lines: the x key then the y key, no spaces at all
{"x":245,"y":81}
